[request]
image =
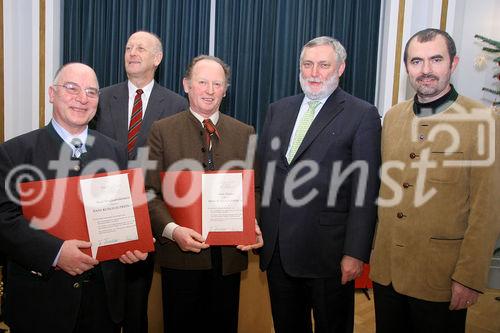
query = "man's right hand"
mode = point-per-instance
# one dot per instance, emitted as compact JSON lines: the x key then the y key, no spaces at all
{"x":189,"y":240}
{"x":72,"y":260}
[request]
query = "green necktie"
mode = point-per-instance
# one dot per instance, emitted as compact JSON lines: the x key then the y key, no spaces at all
{"x":300,"y":133}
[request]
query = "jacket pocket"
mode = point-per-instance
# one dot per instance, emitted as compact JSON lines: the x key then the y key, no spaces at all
{"x":442,"y":173}
{"x":442,"y":259}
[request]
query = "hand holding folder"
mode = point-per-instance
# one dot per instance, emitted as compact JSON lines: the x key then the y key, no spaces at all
{"x":58,"y":209}
{"x":184,"y":193}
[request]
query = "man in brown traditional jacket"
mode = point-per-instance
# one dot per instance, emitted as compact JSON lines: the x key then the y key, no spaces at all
{"x":437,"y":223}
{"x":200,"y":284}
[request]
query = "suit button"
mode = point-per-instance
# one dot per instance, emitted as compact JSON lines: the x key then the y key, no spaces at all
{"x":400,"y":215}
{"x":406,"y":185}
{"x":413,"y":155}
{"x":76,"y":168}
{"x":421,"y":137}
{"x":76,"y":285}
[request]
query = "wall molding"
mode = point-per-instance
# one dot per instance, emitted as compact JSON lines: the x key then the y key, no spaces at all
{"x":397,"y":55}
{"x":444,"y":15}
{"x":2,"y":105}
{"x":41,"y":64}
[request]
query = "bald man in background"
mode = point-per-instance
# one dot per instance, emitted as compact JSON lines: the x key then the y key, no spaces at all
{"x":118,"y":119}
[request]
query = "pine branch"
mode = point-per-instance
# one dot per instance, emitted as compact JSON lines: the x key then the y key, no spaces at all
{"x":491,"y":50}
{"x":489,"y":41}
{"x":496,"y":92}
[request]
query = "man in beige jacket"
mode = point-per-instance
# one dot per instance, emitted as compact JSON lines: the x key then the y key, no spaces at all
{"x":437,"y":223}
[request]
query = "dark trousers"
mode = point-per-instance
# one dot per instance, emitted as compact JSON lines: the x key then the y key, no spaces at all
{"x":292,"y":300}
{"x":94,"y":315}
{"x":200,"y":300}
{"x":138,"y":281}
{"x":396,"y":313}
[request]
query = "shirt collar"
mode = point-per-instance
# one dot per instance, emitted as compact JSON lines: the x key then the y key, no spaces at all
{"x":321,"y":102}
{"x":132,"y":89}
{"x":436,"y":106}
{"x":214,"y":117}
{"x":67,"y":137}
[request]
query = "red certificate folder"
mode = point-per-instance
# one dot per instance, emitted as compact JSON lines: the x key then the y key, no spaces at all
{"x":187,"y":211}
{"x":38,"y":199}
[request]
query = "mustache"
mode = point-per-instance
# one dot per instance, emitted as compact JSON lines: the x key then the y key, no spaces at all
{"x":314,"y":80}
{"x":427,"y":76}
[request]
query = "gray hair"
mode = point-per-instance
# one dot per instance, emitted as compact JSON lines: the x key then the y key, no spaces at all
{"x":325,"y":40}
{"x":60,"y":70}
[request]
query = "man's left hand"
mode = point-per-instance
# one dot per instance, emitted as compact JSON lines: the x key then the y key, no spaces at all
{"x":259,"y":242}
{"x":132,"y":257}
{"x":461,"y":296}
{"x":351,"y":268}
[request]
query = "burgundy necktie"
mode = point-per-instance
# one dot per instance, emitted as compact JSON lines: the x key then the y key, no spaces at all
{"x":210,"y":129}
{"x":135,"y":121}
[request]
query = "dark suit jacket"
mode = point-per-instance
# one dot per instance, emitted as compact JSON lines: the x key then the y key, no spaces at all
{"x":179,"y":137}
{"x":112,"y":113}
{"x":314,"y":236}
{"x":38,"y":297}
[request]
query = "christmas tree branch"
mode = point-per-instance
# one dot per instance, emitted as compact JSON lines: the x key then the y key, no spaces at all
{"x":495,"y":43}
{"x":491,"y":50}
{"x":496,"y":92}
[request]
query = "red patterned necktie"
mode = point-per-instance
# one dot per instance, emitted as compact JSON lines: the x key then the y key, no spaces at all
{"x":135,"y":121}
{"x":210,"y":129}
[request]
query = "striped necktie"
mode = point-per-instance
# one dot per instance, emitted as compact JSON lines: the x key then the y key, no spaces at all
{"x":135,"y":121}
{"x":304,"y":124}
{"x":210,"y":130}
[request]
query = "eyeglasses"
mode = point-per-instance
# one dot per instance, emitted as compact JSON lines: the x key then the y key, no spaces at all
{"x":75,"y":89}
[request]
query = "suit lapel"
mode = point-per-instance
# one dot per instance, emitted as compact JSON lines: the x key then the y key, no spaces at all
{"x":333,"y":106}
{"x":119,"y":112}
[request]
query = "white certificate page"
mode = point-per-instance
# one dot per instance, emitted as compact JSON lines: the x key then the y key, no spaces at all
{"x":222,"y":202}
{"x":109,"y":210}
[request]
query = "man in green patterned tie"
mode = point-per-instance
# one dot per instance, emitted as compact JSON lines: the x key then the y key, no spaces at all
{"x":320,"y":151}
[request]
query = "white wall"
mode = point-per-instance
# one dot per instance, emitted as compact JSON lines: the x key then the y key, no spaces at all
{"x":387,"y":49}
{"x":53,"y":51}
{"x":20,"y":66}
{"x":474,"y":17}
{"x":21,"y":57}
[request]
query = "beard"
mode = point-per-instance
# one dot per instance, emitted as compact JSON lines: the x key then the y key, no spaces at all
{"x":328,"y":87}
{"x":429,"y":91}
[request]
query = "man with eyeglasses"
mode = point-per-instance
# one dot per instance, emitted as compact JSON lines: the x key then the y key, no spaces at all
{"x":51,"y":285}
{"x":125,"y":113}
